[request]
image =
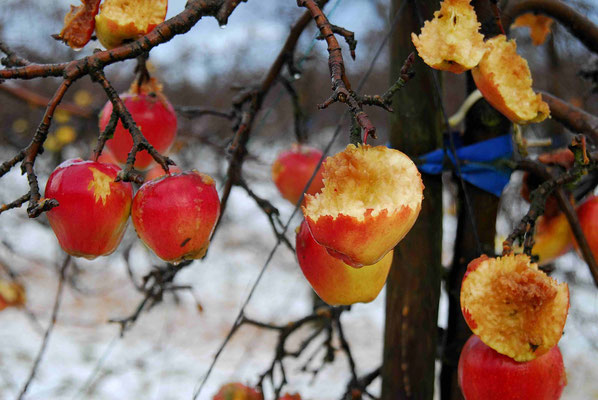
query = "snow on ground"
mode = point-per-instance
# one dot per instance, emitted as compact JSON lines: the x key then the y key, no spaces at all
{"x":170,"y":347}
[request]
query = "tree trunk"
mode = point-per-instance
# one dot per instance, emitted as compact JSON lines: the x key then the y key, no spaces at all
{"x":413,"y":288}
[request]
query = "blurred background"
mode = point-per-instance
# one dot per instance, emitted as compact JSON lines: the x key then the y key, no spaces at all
{"x":170,"y":347}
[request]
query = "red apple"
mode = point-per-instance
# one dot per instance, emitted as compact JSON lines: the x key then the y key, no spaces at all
{"x":157,"y":171}
{"x":124,"y":20}
{"x":174,"y":215}
{"x":107,"y":158}
{"x":334,"y":281}
{"x":93,"y":209}
{"x":155,"y":117}
{"x":514,"y":307}
{"x":370,"y":200}
{"x":237,"y":391}
{"x":288,"y":396}
{"x":588,"y":219}
{"x":485,"y":374}
{"x":292,"y":170}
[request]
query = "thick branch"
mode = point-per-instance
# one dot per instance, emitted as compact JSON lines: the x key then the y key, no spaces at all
{"x":578,"y":24}
{"x":575,"y":119}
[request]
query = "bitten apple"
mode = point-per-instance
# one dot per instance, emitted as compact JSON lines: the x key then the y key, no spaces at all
{"x":514,"y":307}
{"x":237,"y":391}
{"x":485,"y":374}
{"x":504,"y":79}
{"x":588,"y":220}
{"x":153,"y":114}
{"x":79,"y":24}
{"x":122,"y":20}
{"x":157,"y":171}
{"x":292,"y":170}
{"x":451,"y":41}
{"x":174,"y":215}
{"x":334,"y":281}
{"x":93,"y":209}
{"x":370,"y":200}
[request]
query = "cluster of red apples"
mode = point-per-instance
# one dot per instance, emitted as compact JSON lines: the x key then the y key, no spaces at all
{"x":357,"y":208}
{"x":174,"y":214}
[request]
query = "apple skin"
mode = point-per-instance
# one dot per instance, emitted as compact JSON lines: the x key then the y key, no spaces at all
{"x":157,"y":171}
{"x":587,"y":214}
{"x":553,"y":238}
{"x":174,"y":215}
{"x":362,"y":242}
{"x":107,"y":158}
{"x":288,"y":396}
{"x":334,"y":281}
{"x":237,"y":391}
{"x":156,"y":119}
{"x":292,"y":170}
{"x":485,"y":374}
{"x":93,"y":209}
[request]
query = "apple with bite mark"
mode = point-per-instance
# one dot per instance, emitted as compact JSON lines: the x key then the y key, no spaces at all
{"x":485,"y":374}
{"x":93,"y":209}
{"x":370,"y":200}
{"x":174,"y":215}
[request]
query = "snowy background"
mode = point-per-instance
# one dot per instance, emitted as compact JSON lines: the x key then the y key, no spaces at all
{"x":169,"y":348}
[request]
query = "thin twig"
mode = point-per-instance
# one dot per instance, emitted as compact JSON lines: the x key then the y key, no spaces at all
{"x":51,"y":325}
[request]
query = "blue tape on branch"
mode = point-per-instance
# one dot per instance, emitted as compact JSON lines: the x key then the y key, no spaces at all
{"x":482,"y":164}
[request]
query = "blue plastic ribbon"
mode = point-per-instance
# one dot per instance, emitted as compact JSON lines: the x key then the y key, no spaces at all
{"x":482,"y":164}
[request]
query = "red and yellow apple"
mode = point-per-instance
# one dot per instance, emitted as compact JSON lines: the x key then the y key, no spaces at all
{"x":155,"y":117}
{"x":553,"y":238}
{"x":504,"y":79}
{"x":514,"y":307}
{"x":93,"y":209}
{"x":370,"y":200}
{"x":293,"y":168}
{"x":237,"y":391}
{"x":334,"y":281}
{"x":123,"y":20}
{"x":174,"y":215}
{"x":79,"y":24}
{"x":587,"y":214}
{"x":485,"y":374}
{"x":451,"y":41}
{"x":12,"y":294}
{"x":157,"y":171}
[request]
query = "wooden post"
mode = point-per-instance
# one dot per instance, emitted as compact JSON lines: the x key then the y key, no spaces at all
{"x":413,"y":288}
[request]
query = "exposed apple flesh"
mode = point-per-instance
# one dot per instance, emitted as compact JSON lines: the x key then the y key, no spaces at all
{"x":122,"y":20}
{"x":514,"y":307}
{"x":93,"y":209}
{"x":451,"y":41}
{"x":370,"y":200}
{"x":504,"y":79}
